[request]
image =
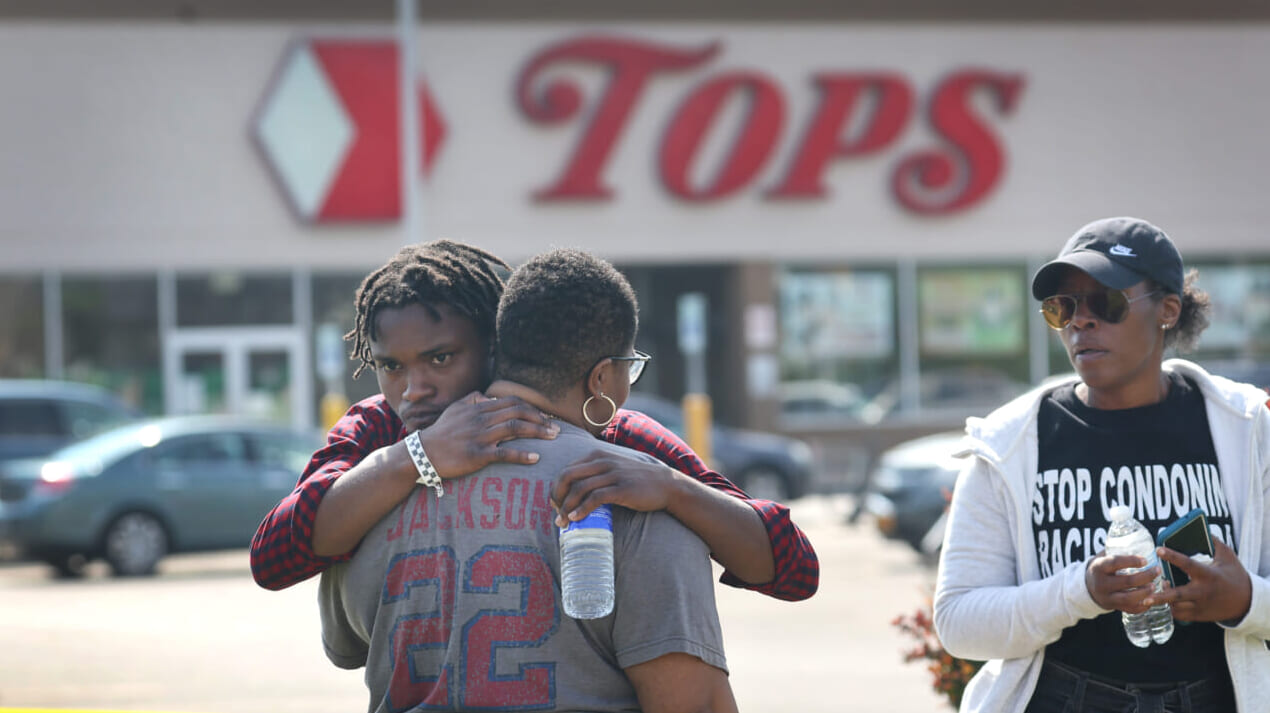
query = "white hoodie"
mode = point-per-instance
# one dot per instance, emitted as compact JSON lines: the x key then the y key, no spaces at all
{"x":991,"y":603}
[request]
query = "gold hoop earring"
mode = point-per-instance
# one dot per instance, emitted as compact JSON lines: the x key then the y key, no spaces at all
{"x":607,"y":421}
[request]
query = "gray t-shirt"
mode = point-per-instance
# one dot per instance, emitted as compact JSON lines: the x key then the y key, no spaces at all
{"x":455,"y":602}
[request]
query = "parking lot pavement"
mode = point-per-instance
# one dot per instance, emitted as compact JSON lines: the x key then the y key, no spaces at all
{"x":838,"y":650}
{"x":201,"y":637}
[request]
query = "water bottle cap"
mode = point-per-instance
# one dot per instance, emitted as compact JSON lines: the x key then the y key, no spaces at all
{"x":1120,"y":512}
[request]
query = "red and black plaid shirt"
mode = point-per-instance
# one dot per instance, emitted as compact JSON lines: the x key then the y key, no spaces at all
{"x":282,"y":549}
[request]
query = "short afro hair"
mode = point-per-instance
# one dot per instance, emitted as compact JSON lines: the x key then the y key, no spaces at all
{"x":1196,"y":314}
{"x":561,"y":313}
{"x":442,"y":272}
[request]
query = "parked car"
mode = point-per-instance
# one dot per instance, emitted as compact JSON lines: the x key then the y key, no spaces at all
{"x":135,"y":493}
{"x":39,"y":416}
{"x":946,"y":395}
{"x":909,"y":489}
{"x":766,"y":465}
{"x":820,"y":400}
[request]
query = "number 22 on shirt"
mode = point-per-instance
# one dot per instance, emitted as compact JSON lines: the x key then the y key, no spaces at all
{"x":488,"y":571}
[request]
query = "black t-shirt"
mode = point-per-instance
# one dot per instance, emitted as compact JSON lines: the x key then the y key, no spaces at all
{"x":1159,"y":460}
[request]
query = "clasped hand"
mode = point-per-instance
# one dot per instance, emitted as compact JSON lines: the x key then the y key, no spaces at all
{"x":603,"y":476}
{"x":1218,"y":591}
{"x":471,"y":432}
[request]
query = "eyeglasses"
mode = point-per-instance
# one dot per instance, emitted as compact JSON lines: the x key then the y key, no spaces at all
{"x":638,"y":360}
{"x":1109,"y":305}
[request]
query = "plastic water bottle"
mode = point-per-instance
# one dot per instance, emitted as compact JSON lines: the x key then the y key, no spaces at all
{"x":586,"y":565}
{"x":1128,"y":537}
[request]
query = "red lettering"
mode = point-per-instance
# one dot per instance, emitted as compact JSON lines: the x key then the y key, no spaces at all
{"x":856,"y":114}
{"x":749,"y":150}
{"x":840,"y":96}
{"x":409,"y":685}
{"x":946,"y":180}
{"x":491,"y":500}
{"x":396,"y":530}
{"x":419,"y":518}
{"x":542,"y":517}
{"x":516,"y":511}
{"x":630,"y":63}
{"x":463,"y":489}
{"x":491,"y":631}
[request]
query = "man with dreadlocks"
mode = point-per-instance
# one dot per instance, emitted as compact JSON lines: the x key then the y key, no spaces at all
{"x":453,"y":603}
{"x":425,"y":323}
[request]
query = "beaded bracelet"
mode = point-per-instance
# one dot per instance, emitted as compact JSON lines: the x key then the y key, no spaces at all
{"x":428,"y":474}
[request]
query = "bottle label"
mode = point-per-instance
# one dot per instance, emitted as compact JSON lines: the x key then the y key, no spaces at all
{"x":600,"y":518}
{"x":1152,"y":561}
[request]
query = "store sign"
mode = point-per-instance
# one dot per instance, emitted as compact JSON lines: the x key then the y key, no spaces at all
{"x":328,"y":128}
{"x":955,"y":173}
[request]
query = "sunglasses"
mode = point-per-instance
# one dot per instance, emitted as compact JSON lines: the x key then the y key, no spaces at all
{"x":638,"y":360}
{"x":1108,"y":305}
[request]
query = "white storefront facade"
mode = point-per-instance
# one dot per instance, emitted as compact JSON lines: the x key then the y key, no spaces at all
{"x":188,"y":206}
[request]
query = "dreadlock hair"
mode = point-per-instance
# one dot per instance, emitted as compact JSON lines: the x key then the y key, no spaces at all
{"x":442,"y":272}
{"x":562,"y":312}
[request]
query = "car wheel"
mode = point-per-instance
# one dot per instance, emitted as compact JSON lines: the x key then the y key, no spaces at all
{"x":765,"y":483}
{"x":134,"y":543}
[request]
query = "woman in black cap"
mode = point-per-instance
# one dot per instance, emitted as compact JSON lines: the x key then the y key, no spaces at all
{"x":1024,"y":581}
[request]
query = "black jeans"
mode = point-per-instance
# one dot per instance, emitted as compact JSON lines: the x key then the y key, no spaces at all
{"x":1063,"y":689}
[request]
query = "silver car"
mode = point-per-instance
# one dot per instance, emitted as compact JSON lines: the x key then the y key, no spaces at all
{"x":135,"y":493}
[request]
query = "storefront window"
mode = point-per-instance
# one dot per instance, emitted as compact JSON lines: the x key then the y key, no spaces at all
{"x":1237,"y":341}
{"x":972,"y":335}
{"x":1240,"y":326}
{"x":21,"y":327}
{"x":112,"y":337}
{"x":233,"y":298}
{"x":838,"y":341}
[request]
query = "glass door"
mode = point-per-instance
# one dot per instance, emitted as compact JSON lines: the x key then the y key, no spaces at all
{"x":268,"y":393}
{"x":260,"y":372}
{"x":202,"y":382}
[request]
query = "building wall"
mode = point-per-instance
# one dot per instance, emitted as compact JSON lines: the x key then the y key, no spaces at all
{"x":141,"y":152}
{"x":131,"y":144}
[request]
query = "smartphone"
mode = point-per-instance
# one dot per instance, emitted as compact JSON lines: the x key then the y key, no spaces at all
{"x":1188,"y":535}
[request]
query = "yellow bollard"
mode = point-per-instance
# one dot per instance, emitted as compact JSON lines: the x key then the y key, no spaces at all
{"x":333,"y":406}
{"x":697,"y":418}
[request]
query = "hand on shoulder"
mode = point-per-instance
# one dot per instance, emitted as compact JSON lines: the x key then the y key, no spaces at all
{"x":470,"y":433}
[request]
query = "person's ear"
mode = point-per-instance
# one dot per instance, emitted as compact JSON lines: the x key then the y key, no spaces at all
{"x":598,"y":377}
{"x":1170,"y":310}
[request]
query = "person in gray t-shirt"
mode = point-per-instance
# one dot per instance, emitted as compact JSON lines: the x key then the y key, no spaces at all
{"x":454,"y":601}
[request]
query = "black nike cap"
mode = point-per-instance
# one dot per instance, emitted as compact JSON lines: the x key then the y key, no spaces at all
{"x":1119,"y":253}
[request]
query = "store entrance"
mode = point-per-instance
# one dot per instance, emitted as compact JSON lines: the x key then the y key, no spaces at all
{"x":248,"y":371}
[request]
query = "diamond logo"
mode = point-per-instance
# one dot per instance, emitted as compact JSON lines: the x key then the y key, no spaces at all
{"x":328,"y":128}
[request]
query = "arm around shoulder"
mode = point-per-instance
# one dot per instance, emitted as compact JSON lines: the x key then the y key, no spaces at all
{"x":755,"y":540}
